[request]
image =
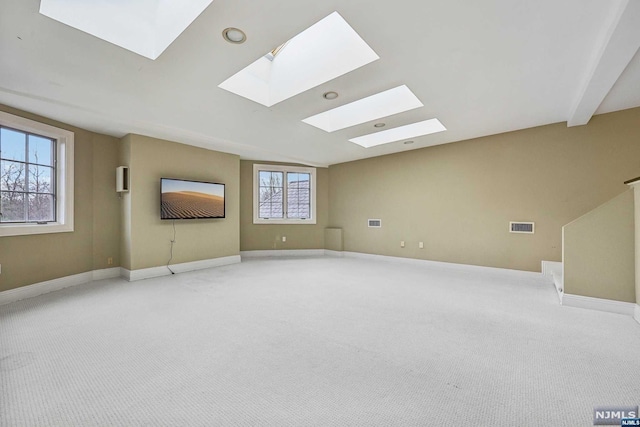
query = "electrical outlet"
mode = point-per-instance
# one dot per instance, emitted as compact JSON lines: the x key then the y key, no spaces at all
{"x":402,"y":243}
{"x":284,"y":238}
{"x":110,"y":261}
{"x":421,"y":245}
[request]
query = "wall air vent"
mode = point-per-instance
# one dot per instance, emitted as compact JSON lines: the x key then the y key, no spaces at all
{"x":521,"y":227}
{"x":375,"y":223}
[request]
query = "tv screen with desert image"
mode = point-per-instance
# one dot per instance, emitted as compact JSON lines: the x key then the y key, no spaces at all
{"x":183,"y":199}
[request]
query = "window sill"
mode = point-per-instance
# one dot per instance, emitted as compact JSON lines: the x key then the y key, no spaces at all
{"x":285,"y":221}
{"x":7,"y":230}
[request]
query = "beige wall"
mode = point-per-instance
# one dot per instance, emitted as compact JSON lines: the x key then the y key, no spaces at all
{"x":124,"y":157}
{"x":333,"y":239}
{"x":636,"y":206}
{"x":31,"y":259}
{"x":269,"y":236}
{"x":106,"y":212}
{"x":151,"y":159}
{"x":637,"y":244}
{"x":598,"y":251}
{"x":459,"y":198}
{"x":456,"y":198}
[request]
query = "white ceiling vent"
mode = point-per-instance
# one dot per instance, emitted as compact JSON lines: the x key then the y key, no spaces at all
{"x":374,"y":223}
{"x":521,"y":227}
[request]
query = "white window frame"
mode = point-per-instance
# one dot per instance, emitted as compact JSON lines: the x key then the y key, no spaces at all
{"x":280,"y":168}
{"x":64,"y":177}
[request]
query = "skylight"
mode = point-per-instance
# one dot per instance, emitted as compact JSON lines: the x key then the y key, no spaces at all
{"x":397,"y":134}
{"x":383,"y":104}
{"x":146,"y":27}
{"x":322,"y":52}
{"x":272,"y":55}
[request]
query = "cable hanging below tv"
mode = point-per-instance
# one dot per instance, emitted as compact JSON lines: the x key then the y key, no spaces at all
{"x":185,"y":199}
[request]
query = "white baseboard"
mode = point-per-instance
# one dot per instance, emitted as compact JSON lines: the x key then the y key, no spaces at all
{"x":282,"y":252}
{"x":41,"y":288}
{"x":600,"y":304}
{"x":125,"y":274}
{"x":360,"y":255}
{"x":339,"y":254}
{"x":548,"y":267}
{"x":147,"y":273}
{"x":636,"y":313}
{"x":554,"y":272}
{"x":106,"y":273}
{"x":441,"y":264}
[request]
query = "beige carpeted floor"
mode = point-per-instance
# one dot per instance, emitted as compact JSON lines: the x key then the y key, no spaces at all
{"x":314,"y":342}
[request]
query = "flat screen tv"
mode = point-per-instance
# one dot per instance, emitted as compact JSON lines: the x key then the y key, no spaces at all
{"x":183,"y":199}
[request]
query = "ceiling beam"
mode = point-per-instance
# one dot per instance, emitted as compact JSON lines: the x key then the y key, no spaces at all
{"x":619,"y":45}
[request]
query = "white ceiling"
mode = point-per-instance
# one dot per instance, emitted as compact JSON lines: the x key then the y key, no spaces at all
{"x":481,"y":68}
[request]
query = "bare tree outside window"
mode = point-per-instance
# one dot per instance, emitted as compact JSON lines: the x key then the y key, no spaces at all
{"x":284,"y":194}
{"x":271,"y":194}
{"x":12,"y":190}
{"x":27,"y":177}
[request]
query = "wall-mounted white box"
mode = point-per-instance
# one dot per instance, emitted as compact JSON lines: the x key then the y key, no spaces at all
{"x":122,"y":179}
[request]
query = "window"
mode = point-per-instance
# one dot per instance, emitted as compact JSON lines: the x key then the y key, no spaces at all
{"x":36,"y":177}
{"x":284,"y":195}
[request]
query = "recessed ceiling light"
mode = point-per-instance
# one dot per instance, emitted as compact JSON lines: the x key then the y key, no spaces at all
{"x":330,"y":95}
{"x":379,"y":125}
{"x":234,"y":35}
{"x":408,"y":142}
{"x":413,"y":130}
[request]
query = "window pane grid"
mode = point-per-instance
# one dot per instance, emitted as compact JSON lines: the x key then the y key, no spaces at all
{"x":27,"y":192}
{"x":284,"y":194}
{"x":298,"y":192}
{"x":27,"y":177}
{"x":271,"y":189}
{"x":278,"y":196}
{"x":26,"y":163}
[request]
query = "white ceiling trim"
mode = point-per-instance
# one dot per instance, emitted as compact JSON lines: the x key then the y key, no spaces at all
{"x":620,"y":44}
